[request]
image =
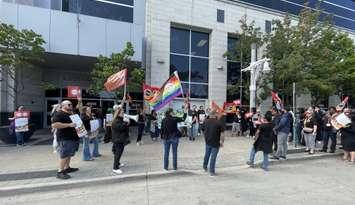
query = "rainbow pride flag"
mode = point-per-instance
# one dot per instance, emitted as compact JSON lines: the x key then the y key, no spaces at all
{"x":171,"y":89}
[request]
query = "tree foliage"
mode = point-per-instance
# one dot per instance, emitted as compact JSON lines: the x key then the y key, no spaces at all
{"x":106,"y":66}
{"x":19,"y":49}
{"x":248,"y":35}
{"x":309,"y":54}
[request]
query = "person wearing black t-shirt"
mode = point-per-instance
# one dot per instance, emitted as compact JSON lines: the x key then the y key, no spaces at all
{"x":68,"y":140}
{"x":141,"y":123}
{"x":194,"y":124}
{"x":86,"y":117}
{"x":213,"y":129}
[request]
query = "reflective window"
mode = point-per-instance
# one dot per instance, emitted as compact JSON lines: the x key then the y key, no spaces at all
{"x":232,"y":48}
{"x":233,"y":72}
{"x":268,"y":26}
{"x":198,"y":90}
{"x":199,"y":44}
{"x":220,"y":15}
{"x":199,"y":70}
{"x":179,"y":41}
{"x":180,"y":64}
{"x":189,"y":51}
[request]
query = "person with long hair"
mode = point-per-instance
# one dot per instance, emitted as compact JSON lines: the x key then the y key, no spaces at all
{"x":55,"y":108}
{"x":348,"y":138}
{"x":141,"y":123}
{"x":86,"y":116}
{"x":263,"y":141}
{"x":310,"y":130}
{"x":120,"y":138}
{"x":170,"y":136}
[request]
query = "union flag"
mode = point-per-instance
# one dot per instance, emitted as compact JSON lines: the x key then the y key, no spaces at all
{"x":116,"y":80}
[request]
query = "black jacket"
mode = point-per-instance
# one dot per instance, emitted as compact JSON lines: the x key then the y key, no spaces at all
{"x":120,"y":131}
{"x":264,"y":140}
{"x":169,"y":127}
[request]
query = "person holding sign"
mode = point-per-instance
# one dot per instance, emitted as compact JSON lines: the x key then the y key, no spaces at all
{"x":20,"y":119}
{"x":67,"y":137}
{"x":86,"y":117}
{"x":107,"y":125}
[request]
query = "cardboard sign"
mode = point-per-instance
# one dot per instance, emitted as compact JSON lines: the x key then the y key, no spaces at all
{"x":74,"y":91}
{"x":109,"y":119}
{"x":80,"y":129}
{"x":94,"y":125}
{"x":21,"y":121}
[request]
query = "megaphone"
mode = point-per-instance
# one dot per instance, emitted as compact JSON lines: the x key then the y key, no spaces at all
{"x":130,"y":117}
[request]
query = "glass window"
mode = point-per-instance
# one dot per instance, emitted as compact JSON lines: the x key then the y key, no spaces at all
{"x":180,"y":64}
{"x":199,"y":90}
{"x":233,"y":72}
{"x":199,"y":70}
{"x":190,"y":59}
{"x":52,"y":93}
{"x":220,"y":15}
{"x":127,"y":2}
{"x":232,"y":48}
{"x":179,"y":41}
{"x":268,"y":26}
{"x":199,"y":44}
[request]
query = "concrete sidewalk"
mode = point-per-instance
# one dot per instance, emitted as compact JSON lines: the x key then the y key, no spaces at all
{"x":35,"y":166}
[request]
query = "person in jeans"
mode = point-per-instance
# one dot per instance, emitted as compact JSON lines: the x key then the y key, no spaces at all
{"x":283,"y":130}
{"x":170,"y":136}
{"x":201,"y":112}
{"x":329,"y":132}
{"x":141,"y":123}
{"x":214,"y":139}
{"x":194,"y":124}
{"x":275,"y":121}
{"x":19,"y":134}
{"x":86,"y":117}
{"x":120,"y":138}
{"x":310,"y":130}
{"x":263,"y":142}
{"x":68,"y":140}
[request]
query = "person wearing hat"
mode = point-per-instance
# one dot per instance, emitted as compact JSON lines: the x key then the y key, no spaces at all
{"x":214,"y":139}
{"x":170,"y":136}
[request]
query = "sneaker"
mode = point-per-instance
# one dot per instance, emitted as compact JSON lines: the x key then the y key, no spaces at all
{"x":63,"y":175}
{"x":212,"y":174}
{"x":70,"y":170}
{"x":323,"y":150}
{"x":283,"y":157}
{"x":117,"y":171}
{"x":250,"y":164}
{"x":332,"y":151}
{"x":205,"y":169}
{"x":122,"y":165}
{"x":274,"y":157}
{"x":99,"y":155}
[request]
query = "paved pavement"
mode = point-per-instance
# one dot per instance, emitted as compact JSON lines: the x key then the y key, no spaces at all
{"x":326,"y":181}
{"x":36,"y":164}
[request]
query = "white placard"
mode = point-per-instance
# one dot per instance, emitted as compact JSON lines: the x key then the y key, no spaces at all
{"x":94,"y":125}
{"x":201,"y":117}
{"x":341,"y":121}
{"x":80,"y":129}
{"x":21,"y":124}
{"x":109,"y":119}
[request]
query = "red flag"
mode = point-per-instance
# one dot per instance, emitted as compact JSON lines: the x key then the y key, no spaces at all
{"x":116,"y":80}
{"x":217,"y":108}
{"x":277,"y":100}
{"x":229,"y":107}
{"x":74,"y":91}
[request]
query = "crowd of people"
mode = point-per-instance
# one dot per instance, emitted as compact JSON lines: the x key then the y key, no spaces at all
{"x":271,"y":133}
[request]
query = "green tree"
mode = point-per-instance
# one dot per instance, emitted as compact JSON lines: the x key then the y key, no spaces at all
{"x":106,"y":66}
{"x":247,"y":35}
{"x":19,"y":49}
{"x":307,"y":54}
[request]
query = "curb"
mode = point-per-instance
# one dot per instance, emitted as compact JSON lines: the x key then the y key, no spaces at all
{"x":45,"y":187}
{"x":60,"y":185}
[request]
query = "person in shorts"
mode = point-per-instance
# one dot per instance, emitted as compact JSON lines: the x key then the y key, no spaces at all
{"x":68,"y":140}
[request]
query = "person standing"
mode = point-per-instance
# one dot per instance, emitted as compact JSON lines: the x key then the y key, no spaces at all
{"x":194,"y":124}
{"x":263,"y":142}
{"x":120,"y":138}
{"x":68,"y":140}
{"x":310,"y":130}
{"x":56,"y":108}
{"x":347,"y":137}
{"x":329,"y":132}
{"x":107,"y":125}
{"x":20,"y":135}
{"x":141,"y":123}
{"x":86,"y":118}
{"x":170,"y":136}
{"x":201,"y":117}
{"x":283,"y":130}
{"x":236,"y":124}
{"x":214,"y":139}
{"x":153,"y":118}
{"x":275,"y":121}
